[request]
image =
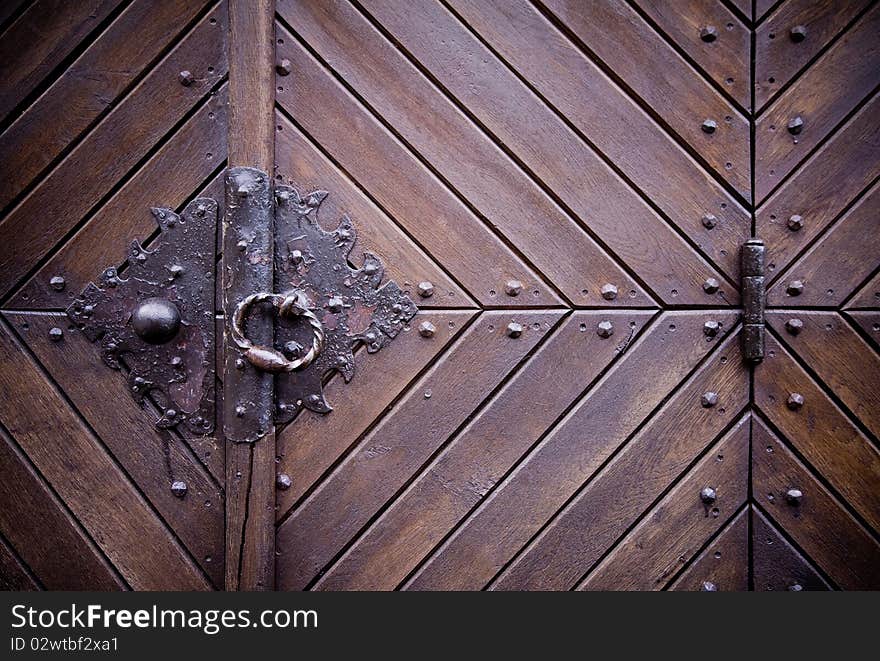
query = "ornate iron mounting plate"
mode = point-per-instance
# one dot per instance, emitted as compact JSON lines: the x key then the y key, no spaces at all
{"x":175,"y":363}
{"x":349,"y":302}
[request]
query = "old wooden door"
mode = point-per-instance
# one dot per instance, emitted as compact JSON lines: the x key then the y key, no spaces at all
{"x":563,"y":188}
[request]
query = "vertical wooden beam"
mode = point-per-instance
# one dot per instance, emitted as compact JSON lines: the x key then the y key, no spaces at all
{"x":247,"y":269}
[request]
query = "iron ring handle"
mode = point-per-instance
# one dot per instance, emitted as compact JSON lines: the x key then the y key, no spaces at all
{"x":268,"y":359}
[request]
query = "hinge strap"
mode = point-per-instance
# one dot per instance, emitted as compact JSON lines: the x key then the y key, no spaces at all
{"x":753,"y":291}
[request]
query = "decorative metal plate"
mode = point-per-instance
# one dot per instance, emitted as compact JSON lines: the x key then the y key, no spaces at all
{"x":167,"y":297}
{"x":348,"y":301}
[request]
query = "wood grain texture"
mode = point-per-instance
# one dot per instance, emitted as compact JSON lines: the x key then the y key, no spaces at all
{"x":868,"y":296}
{"x":778,"y":566}
{"x":869,"y":322}
{"x":92,"y":485}
{"x":724,"y":563}
{"x":14,"y":576}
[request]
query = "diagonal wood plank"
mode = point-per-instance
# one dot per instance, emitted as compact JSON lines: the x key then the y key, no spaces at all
{"x":487,"y":178}
{"x":820,"y":431}
{"x":300,"y":164}
{"x":539,"y":137}
{"x":777,"y":564}
{"x":867,"y":297}
{"x":816,"y":522}
{"x":570,"y":453}
{"x":387,"y":457}
{"x":31,"y":515}
{"x":723,"y":564}
{"x":478,"y":457}
{"x":649,"y":463}
{"x":679,"y":525}
{"x":14,"y":576}
{"x":869,"y":322}
{"x":98,"y":493}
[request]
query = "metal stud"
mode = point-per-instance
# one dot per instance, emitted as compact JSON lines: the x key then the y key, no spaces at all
{"x":795,"y":587}
{"x":156,"y":320}
{"x":795,"y":401}
{"x":283,"y":481}
{"x":798,"y":33}
{"x":795,"y":223}
{"x":284,"y":67}
{"x":708,"y":33}
{"x":709,"y":126}
{"x":709,"y":221}
{"x":55,"y":334}
{"x":795,"y":288}
{"x":711,"y":328}
{"x":296,"y":257}
{"x":57,"y":283}
{"x":176,"y":270}
{"x":426,"y":289}
{"x":185,"y":78}
{"x":793,"y":496}
{"x":709,"y":586}
{"x":794,"y":326}
{"x":514,"y":329}
{"x":709,"y":399}
{"x":240,"y":411}
{"x":605,"y":329}
{"x":711,"y":285}
{"x":178,"y":488}
{"x":513,"y":287}
{"x":292,"y":348}
{"x":608,"y":291}
{"x":335,"y":304}
{"x":796,"y":125}
{"x":427,"y":329}
{"x":708,"y":495}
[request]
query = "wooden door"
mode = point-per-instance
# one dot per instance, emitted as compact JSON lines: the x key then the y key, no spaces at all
{"x":563,"y":187}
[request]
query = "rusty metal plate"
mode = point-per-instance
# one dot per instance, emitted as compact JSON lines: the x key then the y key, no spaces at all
{"x":156,"y":318}
{"x":349,"y":302}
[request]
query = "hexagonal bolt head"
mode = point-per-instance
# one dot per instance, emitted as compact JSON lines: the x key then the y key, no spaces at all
{"x":798,"y":33}
{"x":711,"y":328}
{"x":796,"y":125}
{"x":795,"y":288}
{"x":178,"y":488}
{"x":709,"y":126}
{"x":709,"y":221}
{"x":283,"y":481}
{"x":795,"y":223}
{"x":514,"y":329}
{"x":794,"y":326}
{"x":795,"y":401}
{"x":709,"y":399}
{"x":794,"y":496}
{"x":709,"y":586}
{"x":57,"y":283}
{"x":513,"y":287}
{"x":55,"y":334}
{"x":185,"y":78}
{"x":608,"y":291}
{"x":284,"y":67}
{"x":711,"y":286}
{"x":708,"y":33}
{"x":708,"y":495}
{"x":427,"y":329}
{"x":605,"y":329}
{"x":426,"y":289}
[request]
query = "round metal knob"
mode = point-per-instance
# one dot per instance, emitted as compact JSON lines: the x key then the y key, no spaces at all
{"x":156,"y":320}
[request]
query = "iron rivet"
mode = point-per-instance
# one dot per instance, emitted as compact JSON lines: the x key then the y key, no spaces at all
{"x":514,"y":329}
{"x":176,"y":361}
{"x":292,"y":348}
{"x":55,"y":334}
{"x":709,"y":126}
{"x":186,"y":78}
{"x":709,"y":586}
{"x":283,"y":67}
{"x":798,"y":33}
{"x":296,"y":256}
{"x":709,"y":221}
{"x":513,"y":287}
{"x":57,"y":283}
{"x":176,"y":270}
{"x":239,"y":411}
{"x":795,"y":587}
{"x":795,"y":401}
{"x":708,"y":495}
{"x":796,"y":125}
{"x":334,"y":304}
{"x":156,"y":320}
{"x":711,"y":286}
{"x":794,"y":326}
{"x":283,"y":481}
{"x":711,"y":328}
{"x":242,"y":245}
{"x":709,"y":399}
{"x":240,"y":363}
{"x":608,"y":291}
{"x":426,"y":289}
{"x":708,"y":33}
{"x":795,"y":288}
{"x":605,"y":329}
{"x":178,"y":488}
{"x":427,"y":329}
{"x":794,"y":496}
{"x":795,"y":223}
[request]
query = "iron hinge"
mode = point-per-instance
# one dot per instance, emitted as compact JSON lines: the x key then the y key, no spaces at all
{"x":753,"y":292}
